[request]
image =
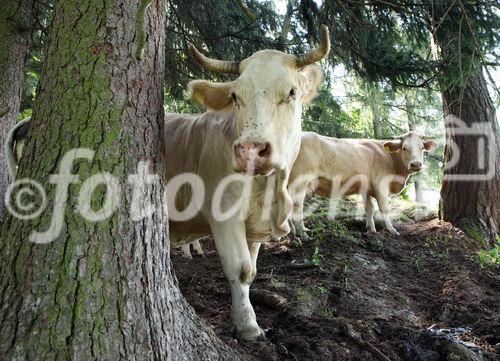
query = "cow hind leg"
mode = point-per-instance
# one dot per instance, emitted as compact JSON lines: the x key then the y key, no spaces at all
{"x":186,"y":251}
{"x":383,"y":205}
{"x":299,"y":229}
{"x":197,"y":248}
{"x":238,"y":266}
{"x":369,"y":208}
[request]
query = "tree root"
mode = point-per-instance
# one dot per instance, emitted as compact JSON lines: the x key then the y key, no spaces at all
{"x":348,"y":331}
{"x":268,"y":298}
{"x":300,"y":266}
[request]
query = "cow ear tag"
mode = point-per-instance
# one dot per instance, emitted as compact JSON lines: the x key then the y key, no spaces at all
{"x":387,"y":148}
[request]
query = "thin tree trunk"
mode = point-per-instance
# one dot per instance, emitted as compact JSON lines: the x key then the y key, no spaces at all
{"x":374,"y":97}
{"x":15,"y":25}
{"x":101,"y":290}
{"x":473,"y":203}
{"x":417,"y":178}
{"x":285,"y":29}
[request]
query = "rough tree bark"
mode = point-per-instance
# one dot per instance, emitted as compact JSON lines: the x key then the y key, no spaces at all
{"x":472,"y":203}
{"x":15,"y":26}
{"x":101,"y":290}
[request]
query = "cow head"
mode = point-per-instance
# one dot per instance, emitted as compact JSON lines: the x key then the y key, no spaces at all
{"x":267,"y":100}
{"x":411,"y":147}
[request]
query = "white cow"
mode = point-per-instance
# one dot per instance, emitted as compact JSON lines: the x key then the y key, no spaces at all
{"x":254,"y":126}
{"x":332,"y":168}
{"x":248,"y":140}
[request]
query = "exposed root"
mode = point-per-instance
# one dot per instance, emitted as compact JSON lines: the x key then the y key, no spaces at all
{"x":347,"y":330}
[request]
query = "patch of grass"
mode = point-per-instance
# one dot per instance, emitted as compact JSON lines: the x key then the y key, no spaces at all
{"x":417,"y":262}
{"x":297,"y":243}
{"x":275,"y":283}
{"x":490,"y":257}
{"x":474,"y":233}
{"x":378,"y":245}
{"x":316,"y":257}
{"x":339,"y":230}
{"x":316,"y":298}
{"x":430,"y":241}
{"x":434,"y":248}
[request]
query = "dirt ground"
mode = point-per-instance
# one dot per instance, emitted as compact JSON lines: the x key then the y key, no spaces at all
{"x":349,"y":295}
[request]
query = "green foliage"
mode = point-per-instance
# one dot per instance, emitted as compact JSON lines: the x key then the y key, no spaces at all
{"x":325,"y":116}
{"x":392,"y":40}
{"x":316,"y":257}
{"x":42,"y":15}
{"x":220,"y":29}
{"x":474,"y":232}
{"x":490,"y":257}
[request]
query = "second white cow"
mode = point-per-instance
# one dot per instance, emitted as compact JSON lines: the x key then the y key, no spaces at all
{"x":333,"y":168}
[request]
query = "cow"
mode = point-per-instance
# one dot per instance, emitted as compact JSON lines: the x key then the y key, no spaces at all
{"x":332,"y":168}
{"x":252,"y":130}
{"x":247,"y":142}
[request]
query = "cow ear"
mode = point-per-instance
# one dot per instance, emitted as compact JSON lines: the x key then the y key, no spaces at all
{"x":429,"y":145}
{"x":392,"y":147}
{"x":313,"y":76}
{"x":215,"y":96}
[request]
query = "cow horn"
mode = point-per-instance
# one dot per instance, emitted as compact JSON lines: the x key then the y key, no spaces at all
{"x":317,"y":53}
{"x":218,"y":66}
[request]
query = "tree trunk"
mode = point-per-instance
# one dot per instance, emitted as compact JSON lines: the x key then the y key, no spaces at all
{"x":285,"y":29}
{"x":101,"y":290}
{"x":374,"y":97}
{"x":15,"y":25}
{"x":472,"y":203}
{"x":417,"y":178}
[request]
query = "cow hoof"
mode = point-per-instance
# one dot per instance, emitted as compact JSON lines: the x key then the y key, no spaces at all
{"x":249,"y":334}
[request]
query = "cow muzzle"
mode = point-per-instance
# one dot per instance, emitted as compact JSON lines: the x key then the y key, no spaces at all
{"x":415,"y":166}
{"x":253,"y":157}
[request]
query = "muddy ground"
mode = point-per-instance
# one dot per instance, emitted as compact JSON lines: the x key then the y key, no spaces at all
{"x":349,"y":295}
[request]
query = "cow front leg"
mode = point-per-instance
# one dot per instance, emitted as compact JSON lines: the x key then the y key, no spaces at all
{"x":369,"y":208}
{"x":232,"y":248}
{"x":382,"y":197}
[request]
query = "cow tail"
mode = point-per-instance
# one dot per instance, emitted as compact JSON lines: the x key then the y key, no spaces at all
{"x":18,"y":132}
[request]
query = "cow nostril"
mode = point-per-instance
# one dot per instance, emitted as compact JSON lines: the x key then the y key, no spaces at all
{"x":266,"y":150}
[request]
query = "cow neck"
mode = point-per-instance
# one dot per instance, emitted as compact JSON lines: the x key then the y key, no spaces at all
{"x":399,"y":166}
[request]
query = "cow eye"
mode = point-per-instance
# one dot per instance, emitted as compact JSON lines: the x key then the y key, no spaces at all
{"x":404,"y":148}
{"x":235,"y":98}
{"x":290,"y":97}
